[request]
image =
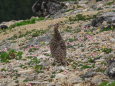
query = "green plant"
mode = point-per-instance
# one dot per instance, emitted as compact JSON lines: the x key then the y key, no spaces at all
{"x":47,"y":54}
{"x":25,"y":22}
{"x":13,"y":37}
{"x":70,"y":46}
{"x":38,"y":33}
{"x":86,"y":66}
{"x":106,"y":50}
{"x":28,"y":34}
{"x":19,"y":55}
{"x":100,"y":8}
{"x":14,"y":54}
{"x":35,"y":63}
{"x":106,"y":83}
{"x":110,"y":3}
{"x":77,"y":30}
{"x":79,"y":17}
{"x":26,"y":80}
{"x":91,"y":60}
{"x":74,"y":65}
{"x":71,"y":39}
{"x":25,"y":34}
{"x":38,"y":68}
{"x":100,"y":70}
{"x":33,"y":49}
{"x":23,"y":66}
{"x":69,"y":10}
{"x":52,"y":76}
{"x":108,"y":28}
{"x":4,"y":69}
{"x":68,"y":29}
{"x":6,"y":56}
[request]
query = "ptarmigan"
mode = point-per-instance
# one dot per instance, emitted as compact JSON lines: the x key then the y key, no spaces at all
{"x":58,"y":47}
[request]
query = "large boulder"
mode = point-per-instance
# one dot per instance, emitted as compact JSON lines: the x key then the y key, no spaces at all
{"x":108,"y":17}
{"x":97,"y":21}
{"x":111,"y":69}
{"x":47,"y":7}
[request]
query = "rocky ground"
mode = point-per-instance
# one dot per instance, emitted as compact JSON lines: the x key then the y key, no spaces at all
{"x":89,"y":48}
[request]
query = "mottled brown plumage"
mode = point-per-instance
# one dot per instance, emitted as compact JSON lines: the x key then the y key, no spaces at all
{"x":58,"y":47}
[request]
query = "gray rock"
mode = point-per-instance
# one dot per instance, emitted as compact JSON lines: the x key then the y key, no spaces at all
{"x":5,"y":44}
{"x":14,"y":46}
{"x":37,"y":40}
{"x":109,"y":14}
{"x":96,"y":80}
{"x":51,"y":84}
{"x":109,"y":17}
{"x":97,"y":21}
{"x":88,"y":74}
{"x":60,"y":76}
{"x":58,"y":68}
{"x":76,"y":80}
{"x":112,"y":40}
{"x":47,"y":7}
{"x":3,"y":26}
{"x":111,"y":69}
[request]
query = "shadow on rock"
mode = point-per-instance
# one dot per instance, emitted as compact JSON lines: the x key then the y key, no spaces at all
{"x":111,"y":69}
{"x":3,"y":27}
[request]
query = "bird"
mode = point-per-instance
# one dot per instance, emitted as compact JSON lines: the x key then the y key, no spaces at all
{"x":58,"y":47}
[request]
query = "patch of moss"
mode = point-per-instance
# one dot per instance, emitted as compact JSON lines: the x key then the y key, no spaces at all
{"x":26,"y":22}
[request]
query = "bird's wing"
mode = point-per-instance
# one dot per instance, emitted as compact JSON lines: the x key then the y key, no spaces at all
{"x":62,"y":44}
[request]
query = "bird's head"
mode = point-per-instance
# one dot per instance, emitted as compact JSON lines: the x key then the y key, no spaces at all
{"x":56,"y":26}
